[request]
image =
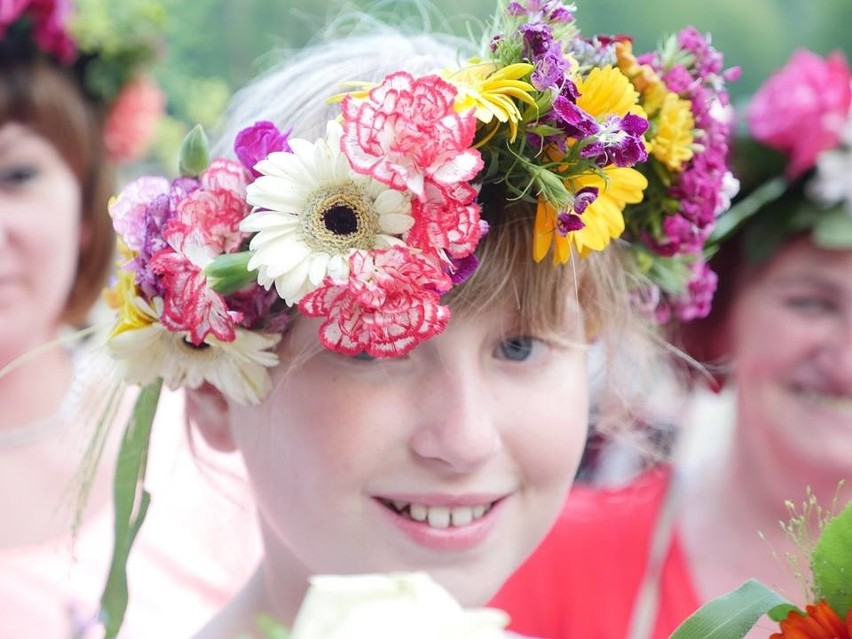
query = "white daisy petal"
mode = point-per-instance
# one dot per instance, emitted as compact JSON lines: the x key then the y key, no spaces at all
{"x":319,"y":268}
{"x":293,"y":286}
{"x":238,"y":368}
{"x":396,"y":223}
{"x":282,"y":261}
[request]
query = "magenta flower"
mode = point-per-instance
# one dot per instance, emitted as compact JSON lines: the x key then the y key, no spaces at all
{"x":801,"y":109}
{"x":50,"y":25}
{"x":390,"y":303}
{"x":407,"y":132}
{"x":254,"y":143}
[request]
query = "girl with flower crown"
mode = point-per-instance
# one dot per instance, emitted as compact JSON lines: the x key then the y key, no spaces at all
{"x":386,"y":302}
{"x":778,"y":421}
{"x":60,"y":141}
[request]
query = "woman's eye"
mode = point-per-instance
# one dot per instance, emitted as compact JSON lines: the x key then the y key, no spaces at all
{"x":810,"y":304}
{"x":17,"y":175}
{"x":517,"y":349}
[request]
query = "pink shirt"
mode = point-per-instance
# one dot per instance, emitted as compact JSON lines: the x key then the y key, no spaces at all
{"x":198,"y":545}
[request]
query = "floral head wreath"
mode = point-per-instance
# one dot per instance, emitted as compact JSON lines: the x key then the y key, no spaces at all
{"x":108,"y":50}
{"x":800,"y":154}
{"x":370,"y":225}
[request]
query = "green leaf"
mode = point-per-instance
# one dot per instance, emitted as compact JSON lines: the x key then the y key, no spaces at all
{"x":131,"y":504}
{"x":228,"y":273}
{"x":831,"y":563}
{"x":833,"y":230}
{"x":194,"y":153}
{"x":730,"y":616}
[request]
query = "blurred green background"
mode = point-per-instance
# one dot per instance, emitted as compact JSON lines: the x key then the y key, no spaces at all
{"x":214,"y":46}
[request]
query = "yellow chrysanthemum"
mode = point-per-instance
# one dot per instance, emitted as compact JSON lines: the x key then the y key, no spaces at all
{"x":607,"y":91}
{"x":644,"y":78}
{"x":603,"y":219}
{"x":489,"y":91}
{"x":672,"y":144}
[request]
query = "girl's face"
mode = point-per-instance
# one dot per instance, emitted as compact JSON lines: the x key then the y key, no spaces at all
{"x":454,"y":459}
{"x":40,"y":203}
{"x":792,"y":339}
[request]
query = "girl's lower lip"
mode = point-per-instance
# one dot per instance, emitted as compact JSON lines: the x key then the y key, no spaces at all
{"x":447,"y":539}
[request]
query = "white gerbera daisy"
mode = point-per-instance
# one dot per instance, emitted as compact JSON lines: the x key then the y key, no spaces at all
{"x":237,"y":368}
{"x":318,"y":211}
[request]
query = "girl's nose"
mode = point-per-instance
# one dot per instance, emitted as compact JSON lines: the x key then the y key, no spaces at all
{"x":458,"y":428}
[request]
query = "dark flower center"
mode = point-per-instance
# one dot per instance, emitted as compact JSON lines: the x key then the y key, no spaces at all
{"x":340,"y":220}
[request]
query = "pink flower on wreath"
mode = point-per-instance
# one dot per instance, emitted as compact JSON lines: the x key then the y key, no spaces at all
{"x":446,"y":219}
{"x":389,"y":304}
{"x":801,"y":109}
{"x":189,"y":304}
{"x":407,"y":132}
{"x":133,"y":118}
{"x":218,"y":207}
{"x":256,"y":142}
{"x":50,"y":25}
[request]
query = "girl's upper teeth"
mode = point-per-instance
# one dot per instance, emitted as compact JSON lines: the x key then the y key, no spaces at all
{"x":441,"y":516}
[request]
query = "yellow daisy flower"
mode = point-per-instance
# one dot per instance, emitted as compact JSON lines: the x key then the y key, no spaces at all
{"x":617,"y":187}
{"x":607,"y":91}
{"x":672,"y":144}
{"x":489,"y":91}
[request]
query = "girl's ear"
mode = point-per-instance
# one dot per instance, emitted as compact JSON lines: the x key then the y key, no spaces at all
{"x":208,"y":409}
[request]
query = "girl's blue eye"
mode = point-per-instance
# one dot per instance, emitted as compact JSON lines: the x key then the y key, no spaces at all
{"x":363,"y":357}
{"x":516,"y":349}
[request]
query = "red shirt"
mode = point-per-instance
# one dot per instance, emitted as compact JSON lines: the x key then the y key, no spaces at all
{"x":581,"y":583}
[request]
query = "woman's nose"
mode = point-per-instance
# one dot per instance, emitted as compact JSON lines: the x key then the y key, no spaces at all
{"x":458,"y":425}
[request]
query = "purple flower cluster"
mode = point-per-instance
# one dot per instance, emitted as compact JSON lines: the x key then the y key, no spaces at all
{"x":545,"y":52}
{"x":701,"y":190}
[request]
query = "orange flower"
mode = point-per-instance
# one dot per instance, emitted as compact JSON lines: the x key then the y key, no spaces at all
{"x":820,"y":622}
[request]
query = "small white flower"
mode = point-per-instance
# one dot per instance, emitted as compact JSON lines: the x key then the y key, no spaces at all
{"x":832,"y":183}
{"x":318,"y":211}
{"x":389,"y":606}
{"x":238,"y":368}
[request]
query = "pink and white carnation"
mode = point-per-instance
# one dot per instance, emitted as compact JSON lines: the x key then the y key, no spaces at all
{"x":802,"y":108}
{"x":387,"y":306}
{"x":446,"y":220}
{"x":407,"y":132}
{"x":218,"y":207}
{"x":189,"y":302}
